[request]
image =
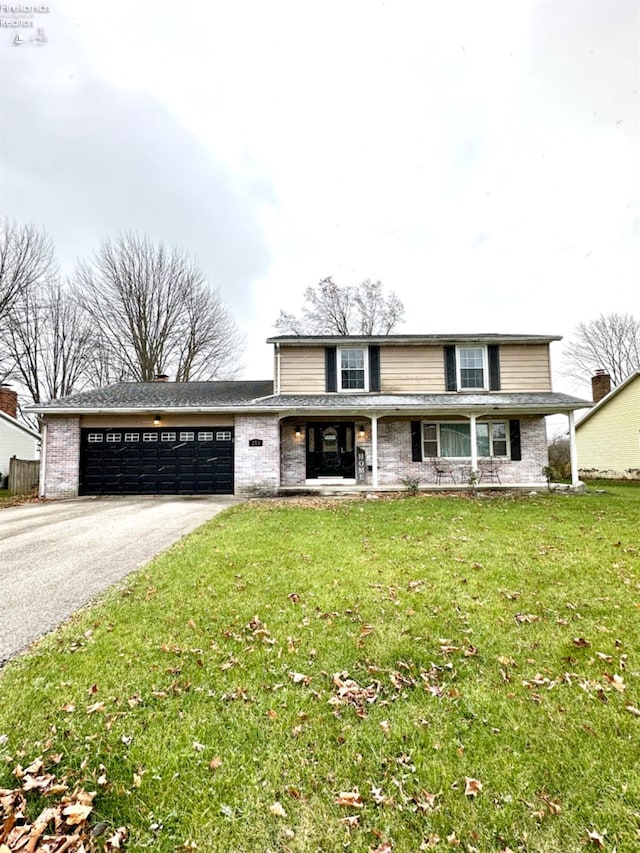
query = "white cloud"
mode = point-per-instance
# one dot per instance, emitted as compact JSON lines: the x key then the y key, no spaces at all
{"x":480,"y":158}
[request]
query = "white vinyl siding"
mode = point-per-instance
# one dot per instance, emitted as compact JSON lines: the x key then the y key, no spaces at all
{"x":15,"y":441}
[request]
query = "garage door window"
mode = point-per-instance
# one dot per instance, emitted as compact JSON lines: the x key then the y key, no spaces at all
{"x":131,"y":436}
{"x":223,"y":435}
{"x":205,"y":436}
{"x":168,"y":436}
{"x":95,"y":437}
{"x":114,"y":436}
{"x":187,"y":436}
{"x":150,"y":436}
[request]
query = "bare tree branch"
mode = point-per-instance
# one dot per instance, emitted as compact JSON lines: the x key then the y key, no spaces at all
{"x":610,"y":343}
{"x":26,"y":258}
{"x":330,"y":309}
{"x":156,"y":313}
{"x":49,"y":340}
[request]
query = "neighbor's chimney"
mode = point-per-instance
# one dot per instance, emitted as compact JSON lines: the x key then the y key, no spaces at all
{"x":161,"y":377}
{"x":8,"y":401}
{"x":600,"y":385}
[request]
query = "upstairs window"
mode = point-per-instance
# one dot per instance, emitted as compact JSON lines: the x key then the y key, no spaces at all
{"x":472,"y":368}
{"x":352,"y":369}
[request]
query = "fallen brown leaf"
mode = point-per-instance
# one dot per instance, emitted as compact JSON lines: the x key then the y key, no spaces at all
{"x":596,"y":839}
{"x":77,"y":813}
{"x":349,"y":798}
{"x":472,"y":787}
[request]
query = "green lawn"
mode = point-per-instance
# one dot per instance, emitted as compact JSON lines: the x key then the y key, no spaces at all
{"x":329,"y":676}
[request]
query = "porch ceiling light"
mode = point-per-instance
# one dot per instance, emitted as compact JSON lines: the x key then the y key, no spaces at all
{"x":298,"y":431}
{"x":157,"y":420}
{"x":361,"y":431}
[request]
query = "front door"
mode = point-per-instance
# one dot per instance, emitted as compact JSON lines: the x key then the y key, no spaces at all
{"x":330,"y":450}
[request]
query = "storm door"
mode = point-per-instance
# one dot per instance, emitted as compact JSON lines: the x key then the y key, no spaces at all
{"x":330,"y":450}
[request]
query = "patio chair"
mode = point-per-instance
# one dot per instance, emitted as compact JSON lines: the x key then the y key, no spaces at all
{"x":489,"y":469}
{"x":443,"y":469}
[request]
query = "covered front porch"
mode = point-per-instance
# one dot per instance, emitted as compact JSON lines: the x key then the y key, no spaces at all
{"x":391,"y":451}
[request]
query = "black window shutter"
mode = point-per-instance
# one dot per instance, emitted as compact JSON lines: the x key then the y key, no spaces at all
{"x":330,"y":368}
{"x":416,"y":441}
{"x":514,"y":435}
{"x":450,"y":383}
{"x":374,"y":368}
{"x":494,"y":367}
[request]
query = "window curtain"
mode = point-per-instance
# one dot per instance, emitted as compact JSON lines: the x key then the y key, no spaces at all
{"x":455,"y":440}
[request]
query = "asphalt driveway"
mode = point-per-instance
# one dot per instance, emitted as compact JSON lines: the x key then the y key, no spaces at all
{"x":56,"y":557}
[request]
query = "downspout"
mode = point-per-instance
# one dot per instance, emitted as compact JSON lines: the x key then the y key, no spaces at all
{"x":277,"y":388}
{"x":374,"y":451}
{"x":43,"y":458}
{"x":573,"y":452}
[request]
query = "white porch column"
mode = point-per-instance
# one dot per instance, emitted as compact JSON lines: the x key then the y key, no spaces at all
{"x":474,"y":445}
{"x":374,"y":451}
{"x":573,"y":453}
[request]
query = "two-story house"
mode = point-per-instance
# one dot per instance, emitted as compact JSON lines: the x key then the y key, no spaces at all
{"x":342,"y":412}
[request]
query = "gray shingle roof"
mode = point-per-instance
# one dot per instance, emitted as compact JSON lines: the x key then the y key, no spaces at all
{"x":341,"y":340}
{"x":163,"y":395}
{"x":445,"y":402}
{"x":258,"y":396}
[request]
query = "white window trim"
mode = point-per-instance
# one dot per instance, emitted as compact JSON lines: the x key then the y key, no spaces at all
{"x":506,"y":432}
{"x":438,"y":424}
{"x":342,"y":390}
{"x":485,"y":367}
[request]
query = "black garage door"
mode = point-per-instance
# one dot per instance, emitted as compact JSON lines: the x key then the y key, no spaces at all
{"x":157,"y":461}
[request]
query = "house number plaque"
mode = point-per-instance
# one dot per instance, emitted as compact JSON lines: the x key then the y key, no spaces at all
{"x":255,"y":442}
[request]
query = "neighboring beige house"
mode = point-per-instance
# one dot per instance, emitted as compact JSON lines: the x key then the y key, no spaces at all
{"x":608,"y":437}
{"x":356,"y":413}
{"x":16,"y":439}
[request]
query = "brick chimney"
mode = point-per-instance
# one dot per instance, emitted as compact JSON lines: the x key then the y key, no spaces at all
{"x":600,"y":385}
{"x":8,"y":401}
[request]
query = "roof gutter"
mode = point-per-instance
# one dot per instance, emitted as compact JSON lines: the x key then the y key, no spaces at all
{"x":551,"y":409}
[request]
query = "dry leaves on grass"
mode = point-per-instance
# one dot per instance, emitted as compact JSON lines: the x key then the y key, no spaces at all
{"x":63,"y":826}
{"x":596,"y":839}
{"x":351,"y":799}
{"x":349,"y":692}
{"x":472,"y":787}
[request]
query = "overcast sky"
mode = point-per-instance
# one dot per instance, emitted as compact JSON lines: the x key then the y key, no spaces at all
{"x":481,"y":159}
